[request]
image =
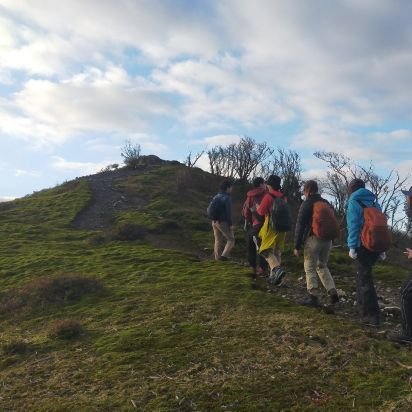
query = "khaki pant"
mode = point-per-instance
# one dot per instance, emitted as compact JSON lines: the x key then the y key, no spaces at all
{"x":273,"y":257}
{"x":224,"y":239}
{"x":316,"y":255}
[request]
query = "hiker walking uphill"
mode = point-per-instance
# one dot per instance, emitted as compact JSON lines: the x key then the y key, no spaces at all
{"x":368,"y":239}
{"x":272,"y":234}
{"x":406,"y":292}
{"x":316,"y":227}
{"x":220,"y":212}
{"x":253,"y":223}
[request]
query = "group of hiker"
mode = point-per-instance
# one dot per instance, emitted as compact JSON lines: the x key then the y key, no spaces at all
{"x":267,"y":220}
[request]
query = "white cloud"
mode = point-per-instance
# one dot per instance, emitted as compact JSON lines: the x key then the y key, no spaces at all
{"x":6,"y":198}
{"x":28,"y":173}
{"x":103,"y":101}
{"x":220,"y":140}
{"x":82,"y":168}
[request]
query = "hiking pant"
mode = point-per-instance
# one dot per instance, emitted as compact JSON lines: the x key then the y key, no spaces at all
{"x":365,"y":288}
{"x":224,"y":239}
{"x":273,"y":257}
{"x":316,"y":256}
{"x":254,"y":259}
{"x":406,"y":308}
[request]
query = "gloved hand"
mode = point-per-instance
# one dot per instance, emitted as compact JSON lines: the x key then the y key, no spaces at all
{"x":382,"y":256}
{"x":353,"y":254}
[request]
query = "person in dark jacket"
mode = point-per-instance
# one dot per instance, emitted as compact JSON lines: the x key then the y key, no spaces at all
{"x":406,"y":292}
{"x":222,"y":224}
{"x":253,"y":223}
{"x":366,"y":297}
{"x":316,"y":251}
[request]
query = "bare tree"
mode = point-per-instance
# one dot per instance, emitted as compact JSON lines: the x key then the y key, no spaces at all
{"x":247,"y":156}
{"x":192,"y":159}
{"x":342,"y":170}
{"x":131,"y":154}
{"x":287,"y":165}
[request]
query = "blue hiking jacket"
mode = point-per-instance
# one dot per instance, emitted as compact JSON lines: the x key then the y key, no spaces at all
{"x":354,"y":214}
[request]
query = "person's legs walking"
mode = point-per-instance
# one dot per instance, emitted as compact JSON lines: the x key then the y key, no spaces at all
{"x":365,"y":288}
{"x":228,"y":235}
{"x":219,"y":239}
{"x":406,"y":308}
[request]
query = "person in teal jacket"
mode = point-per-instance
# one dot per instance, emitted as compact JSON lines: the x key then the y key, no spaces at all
{"x":366,"y":296}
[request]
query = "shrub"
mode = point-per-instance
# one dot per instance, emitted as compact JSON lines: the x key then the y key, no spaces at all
{"x":96,"y":239}
{"x":128,"y":231}
{"x":46,"y":291}
{"x":65,"y":329}
{"x":15,"y":347}
{"x":131,"y":154}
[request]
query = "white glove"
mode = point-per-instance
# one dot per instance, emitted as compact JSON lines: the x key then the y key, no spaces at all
{"x":353,"y":254}
{"x":382,"y":256}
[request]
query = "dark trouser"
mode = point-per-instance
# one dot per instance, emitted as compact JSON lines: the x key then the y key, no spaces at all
{"x":365,"y":288}
{"x":253,"y":257}
{"x":406,"y":307}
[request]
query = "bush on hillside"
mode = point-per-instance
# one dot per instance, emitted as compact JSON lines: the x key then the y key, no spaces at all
{"x":15,"y":347}
{"x":45,"y":291}
{"x":131,"y":154}
{"x":65,"y":329}
{"x":128,"y":231}
{"x":97,"y":239}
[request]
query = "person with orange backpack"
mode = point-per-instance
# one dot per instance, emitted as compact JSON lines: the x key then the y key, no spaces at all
{"x":316,"y":227}
{"x":368,"y":240}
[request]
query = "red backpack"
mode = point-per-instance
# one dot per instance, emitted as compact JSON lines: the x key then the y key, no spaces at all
{"x":375,"y":235}
{"x":325,"y":226}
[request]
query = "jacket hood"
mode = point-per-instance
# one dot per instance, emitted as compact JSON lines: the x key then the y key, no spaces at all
{"x":275,"y":192}
{"x":363,"y":195}
{"x":256,"y":191}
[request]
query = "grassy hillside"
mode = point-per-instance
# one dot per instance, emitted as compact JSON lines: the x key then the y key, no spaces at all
{"x":157,"y":327}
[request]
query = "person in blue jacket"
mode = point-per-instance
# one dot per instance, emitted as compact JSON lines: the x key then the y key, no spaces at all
{"x":366,"y":296}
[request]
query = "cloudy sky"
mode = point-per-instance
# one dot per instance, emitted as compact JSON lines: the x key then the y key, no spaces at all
{"x":79,"y":77}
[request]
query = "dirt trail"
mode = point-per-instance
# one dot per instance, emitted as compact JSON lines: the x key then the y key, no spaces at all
{"x":106,"y":200}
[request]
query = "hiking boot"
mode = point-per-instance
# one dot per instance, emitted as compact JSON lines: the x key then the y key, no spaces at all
{"x":224,"y":258}
{"x":400,"y":338}
{"x":260,"y":272}
{"x":371,"y":321}
{"x":276,"y":276}
{"x":311,"y":301}
{"x":333,"y":296}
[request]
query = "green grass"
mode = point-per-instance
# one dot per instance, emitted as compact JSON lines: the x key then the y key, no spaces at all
{"x":172,"y":332}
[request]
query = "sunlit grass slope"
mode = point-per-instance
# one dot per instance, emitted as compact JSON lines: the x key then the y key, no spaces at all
{"x":169,"y":331}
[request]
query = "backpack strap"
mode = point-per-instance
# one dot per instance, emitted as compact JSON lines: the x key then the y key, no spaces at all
{"x":363,"y":206}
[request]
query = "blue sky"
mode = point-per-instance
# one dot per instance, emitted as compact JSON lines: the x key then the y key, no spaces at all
{"x":79,"y":78}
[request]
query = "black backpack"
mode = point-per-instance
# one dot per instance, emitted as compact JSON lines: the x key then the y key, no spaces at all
{"x":280,"y":217}
{"x":215,"y":208}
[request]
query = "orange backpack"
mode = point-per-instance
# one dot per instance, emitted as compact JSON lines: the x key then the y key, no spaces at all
{"x":325,"y":226}
{"x":375,"y":235}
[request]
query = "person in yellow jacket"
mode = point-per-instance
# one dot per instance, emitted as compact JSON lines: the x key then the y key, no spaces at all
{"x":272,"y":242}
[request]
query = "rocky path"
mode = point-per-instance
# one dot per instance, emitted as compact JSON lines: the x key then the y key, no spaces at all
{"x":107,"y":199}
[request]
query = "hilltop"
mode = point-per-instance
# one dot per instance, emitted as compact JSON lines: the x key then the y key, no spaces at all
{"x":110,"y":302}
